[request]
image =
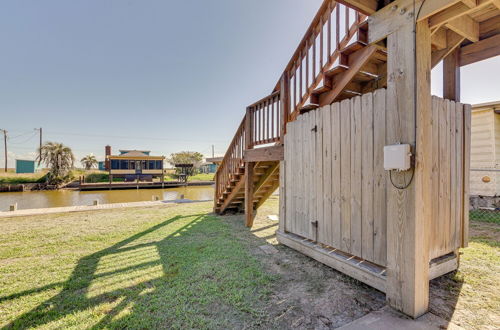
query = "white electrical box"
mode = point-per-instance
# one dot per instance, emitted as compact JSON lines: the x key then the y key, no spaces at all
{"x":397,"y":157}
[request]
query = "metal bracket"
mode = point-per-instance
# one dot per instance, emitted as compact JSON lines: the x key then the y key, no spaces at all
{"x":314,"y":223}
{"x":315,"y":129}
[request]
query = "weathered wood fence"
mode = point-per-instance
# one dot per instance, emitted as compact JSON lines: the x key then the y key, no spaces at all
{"x":336,"y":187}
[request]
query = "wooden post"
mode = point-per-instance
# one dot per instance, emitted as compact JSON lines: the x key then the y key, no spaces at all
{"x":249,"y":190}
{"x":451,"y":76}
{"x":284,"y":103}
{"x":409,"y":121}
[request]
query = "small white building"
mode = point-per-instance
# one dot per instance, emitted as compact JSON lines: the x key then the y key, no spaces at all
{"x":485,"y":149}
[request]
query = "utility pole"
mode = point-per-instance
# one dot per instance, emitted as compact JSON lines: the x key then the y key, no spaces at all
{"x":213,"y":151}
{"x":5,"y":146}
{"x":40,"y":150}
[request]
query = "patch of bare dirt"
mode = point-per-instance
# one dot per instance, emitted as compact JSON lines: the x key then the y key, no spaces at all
{"x":307,"y":294}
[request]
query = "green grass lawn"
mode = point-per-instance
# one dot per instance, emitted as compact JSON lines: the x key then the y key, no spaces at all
{"x":179,"y":266}
{"x":197,"y":177}
{"x":163,"y":267}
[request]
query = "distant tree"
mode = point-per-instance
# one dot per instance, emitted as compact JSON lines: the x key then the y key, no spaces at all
{"x":186,"y":157}
{"x":58,"y":158}
{"x":89,"y":161}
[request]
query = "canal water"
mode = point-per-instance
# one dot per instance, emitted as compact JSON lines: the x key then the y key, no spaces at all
{"x":59,"y":198}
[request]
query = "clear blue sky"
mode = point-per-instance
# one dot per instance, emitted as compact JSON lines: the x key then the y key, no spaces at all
{"x":150,"y":74}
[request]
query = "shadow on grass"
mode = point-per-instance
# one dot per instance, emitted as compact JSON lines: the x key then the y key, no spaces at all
{"x":155,"y":279}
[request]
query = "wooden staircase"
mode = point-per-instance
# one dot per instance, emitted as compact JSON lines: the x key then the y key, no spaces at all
{"x":265,"y":181}
{"x":332,"y":62}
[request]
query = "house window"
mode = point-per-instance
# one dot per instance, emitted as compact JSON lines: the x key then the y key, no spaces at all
{"x":115,"y":164}
{"x":158,"y":164}
{"x":132,"y":164}
{"x":124,"y":164}
{"x":151,"y":164}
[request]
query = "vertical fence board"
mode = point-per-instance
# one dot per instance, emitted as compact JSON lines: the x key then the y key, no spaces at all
{"x":466,"y":142}
{"x":345,"y":183}
{"x":450,"y":241}
{"x":325,"y":221}
{"x":336,"y":177}
{"x":459,"y":115}
{"x":317,"y":175}
{"x":435,"y":215}
{"x":367,"y":177}
{"x":379,"y":197}
{"x":447,"y":170}
{"x":356,"y":153}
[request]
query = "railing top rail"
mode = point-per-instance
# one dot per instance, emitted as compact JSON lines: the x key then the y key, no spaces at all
{"x":326,"y":7}
{"x":233,"y":141}
{"x":264,"y":99}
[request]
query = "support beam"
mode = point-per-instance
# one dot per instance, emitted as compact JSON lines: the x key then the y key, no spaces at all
{"x":439,"y":40}
{"x":480,"y":50}
{"x":249,"y":193}
{"x":408,"y":217}
{"x":453,"y":40}
{"x":451,"y":76}
{"x":400,"y":13}
{"x":465,"y":26}
{"x":265,"y":154}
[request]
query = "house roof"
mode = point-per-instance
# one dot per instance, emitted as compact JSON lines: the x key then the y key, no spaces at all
{"x":124,"y":151}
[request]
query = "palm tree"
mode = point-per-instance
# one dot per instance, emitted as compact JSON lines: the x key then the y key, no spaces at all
{"x":58,"y":158}
{"x":89,"y":161}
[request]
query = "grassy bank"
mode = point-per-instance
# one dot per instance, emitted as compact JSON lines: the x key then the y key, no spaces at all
{"x":13,"y":178}
{"x":179,"y":266}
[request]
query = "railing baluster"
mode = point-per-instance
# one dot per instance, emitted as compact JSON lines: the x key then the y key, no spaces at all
{"x":337,"y":29}
{"x":329,"y":36}
{"x":321,"y":44}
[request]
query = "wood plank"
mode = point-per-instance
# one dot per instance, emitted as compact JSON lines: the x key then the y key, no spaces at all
{"x":345,"y":179}
{"x":480,"y":50}
{"x":326,"y":221}
{"x":465,"y":26}
{"x":447,"y":171}
{"x":356,"y":156}
{"x":367,"y":178}
{"x":443,"y":267}
{"x":236,"y":189}
{"x":451,"y":236}
{"x":380,"y":177}
{"x":336,"y":177}
{"x":459,"y":114}
{"x":265,"y":154}
{"x":336,"y":262}
{"x":308,"y":177}
{"x":439,"y":39}
{"x":467,"y":144}
{"x":317,"y":175}
{"x":435,"y":215}
{"x":443,"y":176}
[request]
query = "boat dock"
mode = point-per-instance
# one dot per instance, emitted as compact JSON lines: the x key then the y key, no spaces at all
{"x":140,"y":185}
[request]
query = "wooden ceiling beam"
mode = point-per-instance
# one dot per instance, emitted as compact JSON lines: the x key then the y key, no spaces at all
{"x":453,"y":41}
{"x":465,"y":26}
{"x":438,"y":39}
{"x":367,"y":7}
{"x":456,"y":11}
{"x":489,"y":27}
{"x":399,"y":13}
{"x":480,"y":50}
{"x":470,"y":3}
